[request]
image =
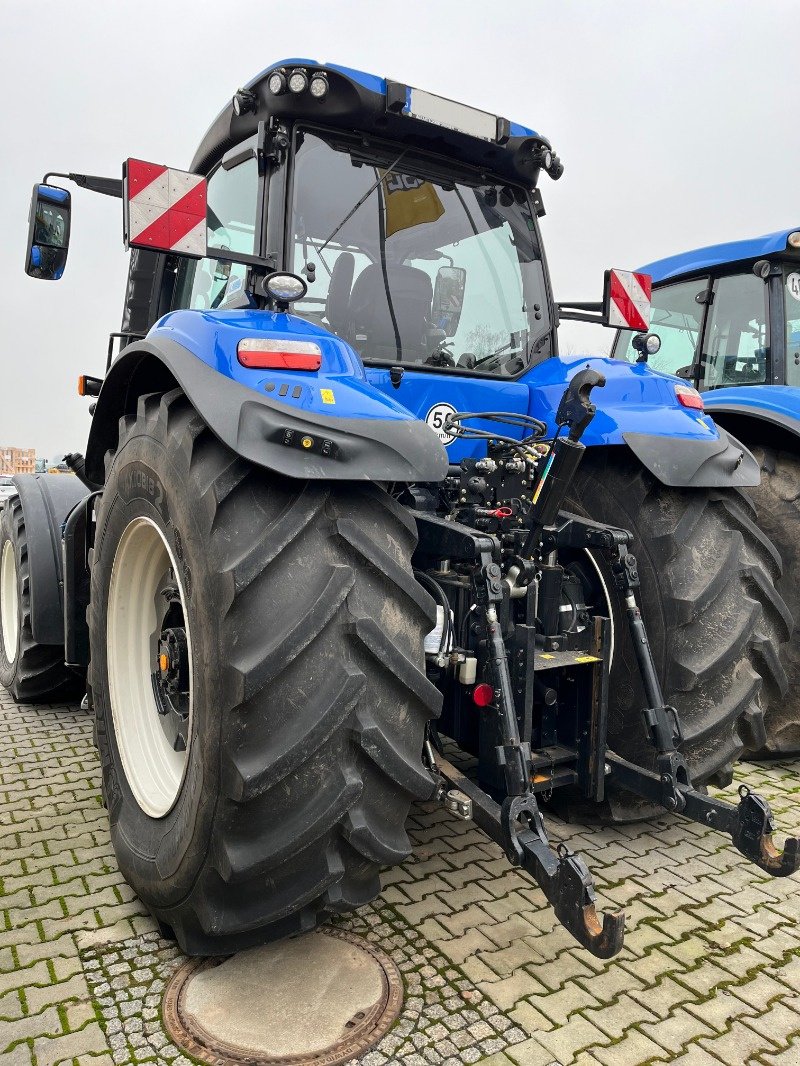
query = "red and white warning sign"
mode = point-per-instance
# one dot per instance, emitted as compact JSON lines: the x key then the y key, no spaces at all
{"x":627,"y":299}
{"x":165,"y":209}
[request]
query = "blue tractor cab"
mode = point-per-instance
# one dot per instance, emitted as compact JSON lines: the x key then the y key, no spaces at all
{"x":728,"y":318}
{"x":342,"y":498}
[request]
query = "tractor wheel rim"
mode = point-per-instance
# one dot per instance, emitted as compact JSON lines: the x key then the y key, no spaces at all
{"x":149,"y":651}
{"x":9,"y":601}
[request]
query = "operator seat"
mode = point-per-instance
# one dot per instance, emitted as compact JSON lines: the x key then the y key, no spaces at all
{"x":338,"y":303}
{"x":370,"y":321}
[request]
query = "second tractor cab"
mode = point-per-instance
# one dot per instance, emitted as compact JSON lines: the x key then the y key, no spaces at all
{"x":342,"y":499}
{"x":728,"y":321}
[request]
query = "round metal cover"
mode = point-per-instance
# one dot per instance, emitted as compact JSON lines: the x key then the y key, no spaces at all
{"x":315,"y":1000}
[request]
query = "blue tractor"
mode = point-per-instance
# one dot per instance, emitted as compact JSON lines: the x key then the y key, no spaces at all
{"x":344,"y":516}
{"x":728,"y":321}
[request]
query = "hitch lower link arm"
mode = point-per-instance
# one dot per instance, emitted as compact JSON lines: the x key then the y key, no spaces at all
{"x":750,"y":823}
{"x":518,"y":825}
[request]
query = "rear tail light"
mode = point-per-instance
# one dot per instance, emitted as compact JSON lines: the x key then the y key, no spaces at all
{"x":261,"y":354}
{"x":689,"y":397}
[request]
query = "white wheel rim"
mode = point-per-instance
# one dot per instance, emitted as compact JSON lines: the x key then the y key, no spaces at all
{"x":154,"y":769}
{"x":9,"y":601}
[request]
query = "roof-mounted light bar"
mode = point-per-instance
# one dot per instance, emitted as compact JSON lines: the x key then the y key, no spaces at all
{"x":298,"y":80}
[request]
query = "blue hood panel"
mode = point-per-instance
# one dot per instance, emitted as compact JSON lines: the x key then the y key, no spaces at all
{"x":635,"y":399}
{"x":339,"y":389}
{"x":778,"y":403}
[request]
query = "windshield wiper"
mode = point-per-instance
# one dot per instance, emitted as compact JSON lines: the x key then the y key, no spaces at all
{"x":363,"y":200}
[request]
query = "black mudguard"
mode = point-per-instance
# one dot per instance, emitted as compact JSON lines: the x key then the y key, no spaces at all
{"x":692,"y":463}
{"x":256,"y":426}
{"x":47,"y":500}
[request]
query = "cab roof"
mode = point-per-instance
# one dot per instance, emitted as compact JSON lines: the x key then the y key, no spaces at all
{"x":716,"y":255}
{"x":372,"y":82}
{"x":366,"y":103}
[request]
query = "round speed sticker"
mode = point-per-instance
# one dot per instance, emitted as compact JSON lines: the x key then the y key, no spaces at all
{"x":793,"y":285}
{"x":436,"y":419}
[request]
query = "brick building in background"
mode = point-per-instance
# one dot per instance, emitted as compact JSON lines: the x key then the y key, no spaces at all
{"x":17,"y":460}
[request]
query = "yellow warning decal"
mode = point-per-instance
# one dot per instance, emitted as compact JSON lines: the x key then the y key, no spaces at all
{"x":586,"y":659}
{"x":327,"y":396}
{"x":546,"y":655}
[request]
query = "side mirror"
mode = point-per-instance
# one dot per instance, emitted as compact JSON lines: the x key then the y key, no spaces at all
{"x":48,"y":233}
{"x":626,"y":300}
{"x":448,"y":298}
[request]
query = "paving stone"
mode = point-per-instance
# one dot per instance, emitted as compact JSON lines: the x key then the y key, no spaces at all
{"x":738,"y":1044}
{"x":790,"y":1056}
{"x":567,"y":1041}
{"x":676,"y":1031}
{"x":633,"y":1049}
{"x":615,"y":1020}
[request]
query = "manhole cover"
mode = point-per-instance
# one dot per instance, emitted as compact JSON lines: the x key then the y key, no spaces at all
{"x":319,"y":999}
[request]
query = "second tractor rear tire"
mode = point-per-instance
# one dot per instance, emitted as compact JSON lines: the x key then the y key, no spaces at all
{"x":32,"y":673}
{"x":714,"y":618}
{"x":777,"y":502}
{"x":308,"y":700}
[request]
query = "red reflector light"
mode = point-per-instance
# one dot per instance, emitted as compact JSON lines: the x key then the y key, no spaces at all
{"x":483,"y":694}
{"x":689,"y":397}
{"x":261,"y":354}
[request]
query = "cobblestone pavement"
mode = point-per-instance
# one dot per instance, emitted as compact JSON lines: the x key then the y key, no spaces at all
{"x":710,"y":973}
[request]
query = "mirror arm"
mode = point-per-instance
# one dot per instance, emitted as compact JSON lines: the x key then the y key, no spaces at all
{"x":105,"y":186}
{"x":582,"y":312}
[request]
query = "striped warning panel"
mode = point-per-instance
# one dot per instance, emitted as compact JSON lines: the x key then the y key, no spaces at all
{"x":628,"y":299}
{"x":165,"y":208}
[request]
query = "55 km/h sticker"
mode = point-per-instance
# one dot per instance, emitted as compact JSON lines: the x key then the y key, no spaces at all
{"x":436,"y":419}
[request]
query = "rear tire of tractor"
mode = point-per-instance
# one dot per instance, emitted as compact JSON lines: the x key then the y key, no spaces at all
{"x":308,"y":699}
{"x":777,"y":503}
{"x":32,"y":673}
{"x":714,"y":619}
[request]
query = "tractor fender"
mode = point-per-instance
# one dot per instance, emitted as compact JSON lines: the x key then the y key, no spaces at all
{"x":374,"y":438}
{"x":638,"y":407}
{"x":759,"y":414}
{"x":47,"y":500}
{"x":696,"y":464}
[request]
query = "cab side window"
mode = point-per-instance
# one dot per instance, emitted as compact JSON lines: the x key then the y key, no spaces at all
{"x":232,"y":203}
{"x":735,"y":344}
{"x":791,"y":290}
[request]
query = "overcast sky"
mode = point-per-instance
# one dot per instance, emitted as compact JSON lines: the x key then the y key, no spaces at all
{"x":677,"y":123}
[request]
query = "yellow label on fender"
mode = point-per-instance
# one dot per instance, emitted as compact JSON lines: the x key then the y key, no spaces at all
{"x":327,"y":396}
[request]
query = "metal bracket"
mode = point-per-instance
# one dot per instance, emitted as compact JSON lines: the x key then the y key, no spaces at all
{"x":458,"y":804}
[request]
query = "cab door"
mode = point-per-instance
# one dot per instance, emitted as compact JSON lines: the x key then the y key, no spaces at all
{"x":735,"y":346}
